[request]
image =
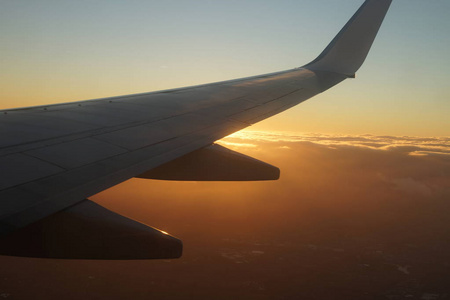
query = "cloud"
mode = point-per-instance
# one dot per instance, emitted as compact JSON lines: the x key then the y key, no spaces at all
{"x":399,"y":165}
{"x":241,"y":145}
{"x":419,"y":146}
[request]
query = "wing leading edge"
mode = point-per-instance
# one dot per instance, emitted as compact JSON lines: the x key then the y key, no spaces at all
{"x":53,"y":157}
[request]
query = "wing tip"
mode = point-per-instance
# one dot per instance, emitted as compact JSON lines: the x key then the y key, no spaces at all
{"x":348,"y":50}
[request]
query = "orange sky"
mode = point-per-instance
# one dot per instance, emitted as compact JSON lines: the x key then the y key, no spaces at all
{"x":365,"y":167}
{"x":76,"y":52}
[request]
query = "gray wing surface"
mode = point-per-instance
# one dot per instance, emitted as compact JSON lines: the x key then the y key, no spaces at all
{"x":53,"y":157}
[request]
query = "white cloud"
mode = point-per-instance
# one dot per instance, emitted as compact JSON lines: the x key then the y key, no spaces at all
{"x":405,"y":144}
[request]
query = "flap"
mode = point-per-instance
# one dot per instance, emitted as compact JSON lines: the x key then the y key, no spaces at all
{"x":214,"y":163}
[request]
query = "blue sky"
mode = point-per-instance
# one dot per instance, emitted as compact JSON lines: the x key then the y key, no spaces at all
{"x":60,"y":51}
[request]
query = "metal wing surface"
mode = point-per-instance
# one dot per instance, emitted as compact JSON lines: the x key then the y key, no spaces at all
{"x":52,"y":157}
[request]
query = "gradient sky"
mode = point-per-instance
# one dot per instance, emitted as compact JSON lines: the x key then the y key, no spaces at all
{"x":61,"y":51}
{"x":360,"y":211}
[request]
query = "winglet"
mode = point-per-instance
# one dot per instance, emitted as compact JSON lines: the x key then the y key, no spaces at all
{"x":348,"y":50}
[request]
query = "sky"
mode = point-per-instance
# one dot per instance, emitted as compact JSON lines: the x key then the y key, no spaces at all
{"x":61,"y":51}
{"x":361,"y":208}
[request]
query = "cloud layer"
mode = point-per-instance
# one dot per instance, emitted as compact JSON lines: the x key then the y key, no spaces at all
{"x":369,"y":212}
{"x":421,"y":146}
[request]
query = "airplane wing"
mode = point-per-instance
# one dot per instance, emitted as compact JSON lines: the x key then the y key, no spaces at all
{"x":53,"y":157}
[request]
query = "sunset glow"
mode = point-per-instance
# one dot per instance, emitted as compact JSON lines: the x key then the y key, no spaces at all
{"x":407,"y":144}
{"x":76,"y":52}
{"x":361,"y":207}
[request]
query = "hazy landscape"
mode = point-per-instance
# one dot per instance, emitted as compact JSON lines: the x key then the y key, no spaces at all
{"x":352,"y":217}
